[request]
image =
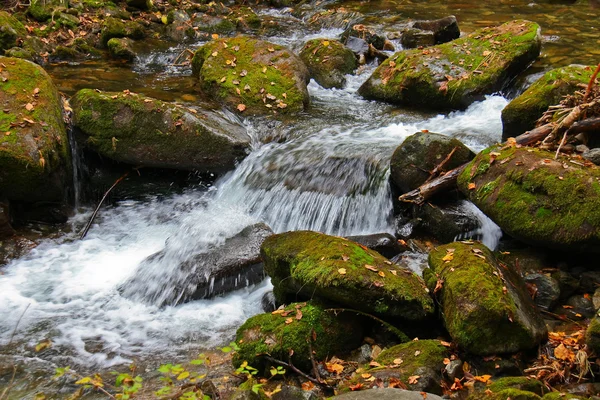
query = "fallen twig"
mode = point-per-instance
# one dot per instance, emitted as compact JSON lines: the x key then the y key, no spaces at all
{"x":591,"y":83}
{"x":434,"y":172}
{"x":296,"y":370}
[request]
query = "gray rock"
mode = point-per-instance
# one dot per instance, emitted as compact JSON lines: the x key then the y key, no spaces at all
{"x":386,"y":394}
{"x":431,"y":32}
{"x":293,"y":393}
{"x":446,"y":222}
{"x":121,"y":48}
{"x":593,"y":155}
{"x":547,"y":290}
{"x":6,"y":230}
{"x":383,"y":243}
{"x":582,"y":306}
{"x":596,"y":299}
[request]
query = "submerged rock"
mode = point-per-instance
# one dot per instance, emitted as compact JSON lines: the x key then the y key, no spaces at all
{"x":306,"y":264}
{"x":536,"y":199}
{"x":140,"y":130}
{"x":486,"y":307}
{"x":521,"y":114}
{"x":421,"y":153}
{"x":367,"y":33}
{"x":453,"y":75}
{"x":328,"y":61}
{"x":35,"y":160}
{"x":292,"y":333}
{"x":233,"y":265}
{"x":252,"y":76}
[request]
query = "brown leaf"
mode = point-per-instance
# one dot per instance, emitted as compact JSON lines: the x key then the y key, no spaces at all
{"x":342,"y":271}
{"x":472,"y":186}
{"x":562,"y":353}
{"x":438,"y":286}
{"x":308,"y":386}
{"x":381,"y":274}
{"x":334,"y":367}
{"x":29,"y":106}
{"x":371,"y":268}
{"x":413,"y":380}
{"x":356,"y":387}
{"x":298,"y":314}
{"x":241,"y":107}
{"x":289,"y":321}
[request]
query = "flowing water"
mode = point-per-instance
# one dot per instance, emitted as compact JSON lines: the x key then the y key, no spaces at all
{"x":327,"y":171}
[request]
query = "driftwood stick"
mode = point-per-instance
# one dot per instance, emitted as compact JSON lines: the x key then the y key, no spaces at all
{"x":89,"y":224}
{"x":591,"y":83}
{"x":534,"y":135}
{"x":429,"y":189}
{"x":313,"y":362}
{"x":434,"y":172}
{"x":585,"y":125}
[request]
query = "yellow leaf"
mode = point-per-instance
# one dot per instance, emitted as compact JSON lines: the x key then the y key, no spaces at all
{"x":398,"y":361}
{"x":342,"y":271}
{"x":381,"y":274}
{"x":44,"y":344}
{"x":366,"y":376}
{"x":325,"y":43}
{"x":371,"y":268}
{"x":562,"y":353}
{"x":289,"y":321}
{"x":486,"y":53}
{"x":214,"y":54}
{"x":183,"y":375}
{"x":448,"y":257}
{"x":164,"y":20}
{"x":215,"y":36}
{"x":271,"y":49}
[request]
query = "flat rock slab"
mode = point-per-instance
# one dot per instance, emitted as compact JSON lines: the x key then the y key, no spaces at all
{"x":387,"y":394}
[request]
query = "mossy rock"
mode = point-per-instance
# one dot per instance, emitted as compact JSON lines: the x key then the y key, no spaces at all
{"x":121,"y":48}
{"x":453,"y":75}
{"x":78,"y":50}
{"x":518,"y":382}
{"x":509,"y":394}
{"x":422,"y":152}
{"x":263,"y":77}
{"x":115,"y":28}
{"x":10,"y":30}
{"x":592,"y":335}
{"x":486,"y":307}
{"x":423,"y":358}
{"x":563,"y":396}
{"x":313,"y":265}
{"x":34,"y":155}
{"x":139,"y":130}
{"x":328,"y":61}
{"x":521,"y":114}
{"x":536,"y":199}
{"x":298,"y":327}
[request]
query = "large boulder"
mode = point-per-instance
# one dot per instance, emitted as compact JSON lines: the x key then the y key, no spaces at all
{"x":115,"y":28}
{"x":313,"y":265}
{"x":486,"y":307}
{"x":35,"y":160}
{"x":300,"y":332}
{"x":386,"y":394}
{"x":453,"y":75}
{"x":233,"y":265}
{"x":10,"y":30}
{"x":429,"y":32}
{"x":536,"y":199}
{"x":419,"y":154}
{"x":252,"y":76}
{"x":143,"y":131}
{"x":521,"y":114}
{"x":328,"y":61}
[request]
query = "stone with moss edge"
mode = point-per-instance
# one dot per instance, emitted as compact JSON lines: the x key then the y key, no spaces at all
{"x":305,"y":264}
{"x":142,"y":131}
{"x":536,"y":199}
{"x":297,"y":328}
{"x":592,"y":335}
{"x":564,"y":396}
{"x":328,"y":61}
{"x":10,"y":30}
{"x":521,"y":114}
{"x":453,"y":75}
{"x":486,"y":307}
{"x":35,"y":160}
{"x":252,"y":76}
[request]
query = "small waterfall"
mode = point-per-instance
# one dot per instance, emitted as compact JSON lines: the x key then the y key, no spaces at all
{"x":488,"y":232}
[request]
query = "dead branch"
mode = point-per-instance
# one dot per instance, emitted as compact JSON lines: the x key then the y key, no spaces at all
{"x":534,"y":135}
{"x":296,"y":370}
{"x":591,"y":83}
{"x":434,"y":172}
{"x":433,"y":187}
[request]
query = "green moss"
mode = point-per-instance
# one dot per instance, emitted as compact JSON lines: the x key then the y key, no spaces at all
{"x":518,"y":382}
{"x":328,"y":61}
{"x":549,"y":203}
{"x":414,"y":355}
{"x":115,"y":28}
{"x":10,"y":30}
{"x":592,"y":336}
{"x":511,"y":394}
{"x":39,"y":11}
{"x":563,"y":396}
{"x":454,"y":74}
{"x":270,"y":82}
{"x":121,"y":48}
{"x":309,"y":263}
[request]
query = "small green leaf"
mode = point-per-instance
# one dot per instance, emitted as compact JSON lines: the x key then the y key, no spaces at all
{"x":197,"y":362}
{"x":84,"y":380}
{"x":165,"y":368}
{"x":226,"y":349}
{"x":256,"y":387}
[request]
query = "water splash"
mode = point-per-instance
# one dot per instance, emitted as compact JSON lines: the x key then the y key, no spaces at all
{"x":488,"y":232}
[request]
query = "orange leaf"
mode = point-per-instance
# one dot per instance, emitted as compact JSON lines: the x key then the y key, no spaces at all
{"x":472,"y":186}
{"x":241,"y":107}
{"x":412,"y":380}
{"x":562,"y":353}
{"x":308,"y":386}
{"x":342,"y":271}
{"x":289,"y":321}
{"x":358,"y":386}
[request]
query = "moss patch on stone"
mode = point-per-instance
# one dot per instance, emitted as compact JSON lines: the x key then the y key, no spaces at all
{"x":563,"y":396}
{"x":115,"y":28}
{"x":328,"y":61}
{"x":264,"y":77}
{"x":10,"y":30}
{"x":539,"y":200}
{"x":453,"y":75}
{"x":518,"y":382}
{"x":311,"y":264}
{"x":592,"y":335}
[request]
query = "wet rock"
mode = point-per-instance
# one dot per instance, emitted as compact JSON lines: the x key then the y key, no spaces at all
{"x":268,"y":77}
{"x":486,"y":308}
{"x":365,"y":33}
{"x":289,"y":392}
{"x":306,"y":264}
{"x":579,"y":307}
{"x":35,"y":160}
{"x":14,"y":247}
{"x":546,"y":289}
{"x":589,"y":280}
{"x":431,"y":32}
{"x":233,"y":265}
{"x":115,"y":28}
{"x":268,"y":302}
{"x":328,"y":61}
{"x":386,"y":394}
{"x":78,"y":50}
{"x":383,"y":243}
{"x":10,"y":30}
{"x":215,"y":24}
{"x":447,"y":221}
{"x":592,"y":155}
{"x":139,"y":130}
{"x":298,"y":327}
{"x":521,"y":114}
{"x":339,"y":18}
{"x":6,"y":230}
{"x":568,"y":283}
{"x":121,"y":48}
{"x":420,"y":153}
{"x":521,"y":190}
{"x":444,"y":76}
{"x":178,"y":28}
{"x":140,"y":4}
{"x":359,"y":47}
{"x":412,"y":38}
{"x":43,"y":10}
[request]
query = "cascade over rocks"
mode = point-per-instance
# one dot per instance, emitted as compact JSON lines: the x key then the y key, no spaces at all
{"x":453,"y":75}
{"x":143,"y":131}
{"x":536,"y":199}
{"x":35,"y":160}
{"x":486,"y":307}
{"x":306,"y":264}
{"x":521,"y":114}
{"x":233,"y":265}
{"x":252,"y":76}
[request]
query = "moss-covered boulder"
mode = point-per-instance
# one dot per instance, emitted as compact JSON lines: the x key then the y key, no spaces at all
{"x":420,"y":153}
{"x":10,"y":30}
{"x":486,"y":307}
{"x":139,"y":130}
{"x":592,"y":335}
{"x":518,"y":382}
{"x":115,"y":28}
{"x":453,"y":75}
{"x":121,"y":48}
{"x":252,"y":76}
{"x":509,"y":394}
{"x":563,"y":396}
{"x":386,"y":394}
{"x":298,"y":327}
{"x":536,"y":199}
{"x":34,"y":153}
{"x":313,"y":265}
{"x":328,"y":61}
{"x":522,"y":112}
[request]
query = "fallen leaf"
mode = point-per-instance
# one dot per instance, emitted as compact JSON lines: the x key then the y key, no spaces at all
{"x":398,"y":361}
{"x":214,"y":54}
{"x":241,"y":107}
{"x":289,"y":321}
{"x":342,"y":271}
{"x":365,"y":375}
{"x":325,"y":43}
{"x":44,"y":344}
{"x":215,"y":36}
{"x":36,"y":91}
{"x":417,"y":353}
{"x":562,"y":353}
{"x":448,"y":257}
{"x":381,"y":274}
{"x":298,"y":314}
{"x":334,"y":367}
{"x":472,"y":186}
{"x":29,"y":106}
{"x":358,"y":386}
{"x":271,"y":49}
{"x":308,"y":386}
{"x":413,"y":380}
{"x":371,"y":268}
